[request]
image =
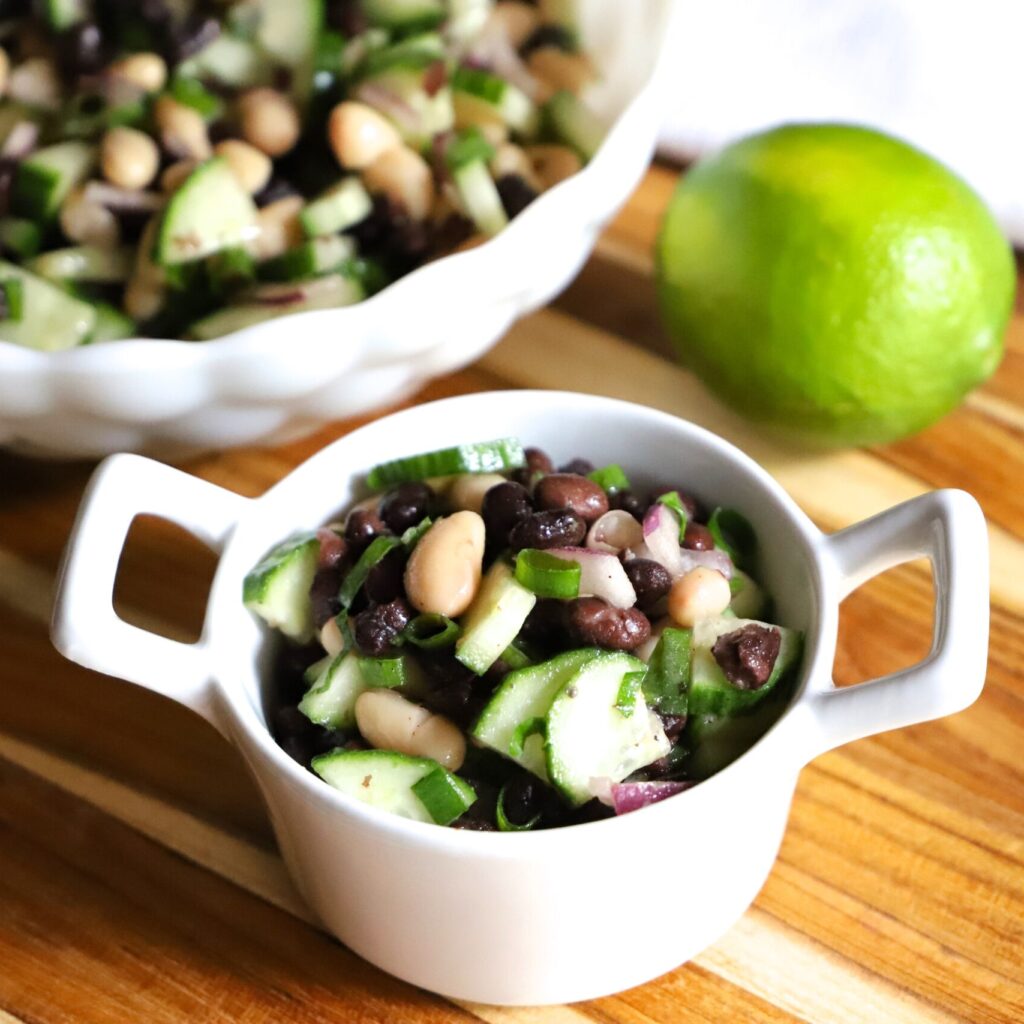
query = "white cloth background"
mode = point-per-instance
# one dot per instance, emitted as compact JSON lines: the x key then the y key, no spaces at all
{"x":943,"y":74}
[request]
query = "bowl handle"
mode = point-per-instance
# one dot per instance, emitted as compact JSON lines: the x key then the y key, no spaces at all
{"x":85,"y":627}
{"x":949,"y":528}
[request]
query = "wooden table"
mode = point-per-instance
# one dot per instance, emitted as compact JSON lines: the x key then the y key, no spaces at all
{"x":139,"y":879}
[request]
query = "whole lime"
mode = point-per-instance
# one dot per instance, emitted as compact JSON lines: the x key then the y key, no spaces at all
{"x":833,"y":282}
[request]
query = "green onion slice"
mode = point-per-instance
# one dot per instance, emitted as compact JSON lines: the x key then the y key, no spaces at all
{"x":445,"y":796}
{"x":413,"y":535}
{"x":482,"y":457}
{"x":668,"y":675}
{"x":515,"y":657}
{"x":672,"y":500}
{"x":734,"y":535}
{"x":531,"y":727}
{"x":611,"y":478}
{"x":431,"y":631}
{"x":383,"y":673}
{"x":547,"y":575}
{"x":14,"y":299}
{"x":356,"y":577}
{"x":504,"y":825}
{"x":625,"y":701}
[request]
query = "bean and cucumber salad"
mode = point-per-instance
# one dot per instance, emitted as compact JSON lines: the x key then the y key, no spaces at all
{"x":492,"y":643}
{"x":186,"y":168}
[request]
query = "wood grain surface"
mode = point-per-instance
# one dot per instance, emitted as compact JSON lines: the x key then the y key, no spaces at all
{"x":138,"y":876}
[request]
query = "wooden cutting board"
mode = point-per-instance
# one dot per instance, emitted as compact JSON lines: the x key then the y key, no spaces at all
{"x":138,"y":875}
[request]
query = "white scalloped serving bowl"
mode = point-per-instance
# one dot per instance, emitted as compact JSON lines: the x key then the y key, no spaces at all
{"x":283,"y":378}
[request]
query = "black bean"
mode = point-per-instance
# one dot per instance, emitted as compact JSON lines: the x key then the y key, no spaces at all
{"x":579,"y":466}
{"x":384,"y":580}
{"x":673,"y":726}
{"x":545,"y":621}
{"x":698,"y":538}
{"x":347,"y":17}
{"x":650,"y":579}
{"x":628,"y":502}
{"x":538,"y":461}
{"x":552,"y":529}
{"x":592,"y":621}
{"x":406,"y":505}
{"x":362,"y":525}
{"x":503,"y":506}
{"x":80,"y":49}
{"x":557,"y":36}
{"x":300,"y":738}
{"x":747,"y":656}
{"x":377,"y":628}
{"x":569,"y":491}
{"x":516,"y":193}
{"x":323,"y":594}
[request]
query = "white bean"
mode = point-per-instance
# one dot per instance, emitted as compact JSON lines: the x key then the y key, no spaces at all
{"x":182,"y":129}
{"x":250,"y":166}
{"x":146,"y":71}
{"x":442,"y":575}
{"x":87,"y":222}
{"x":517,"y":21}
{"x":174,"y":175}
{"x":553,"y":164}
{"x":331,"y":639}
{"x":512,"y":159}
{"x":388,"y":721}
{"x":269,"y":120}
{"x":129,"y":158}
{"x":560,"y":70}
{"x":468,"y":490}
{"x":404,"y":177}
{"x":35,"y":81}
{"x":358,"y":135}
{"x":5,"y":70}
{"x":701,"y":593}
{"x":279,"y":227}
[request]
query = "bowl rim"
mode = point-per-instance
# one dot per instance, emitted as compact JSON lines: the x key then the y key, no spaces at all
{"x":248,"y":730}
{"x":429,"y":278}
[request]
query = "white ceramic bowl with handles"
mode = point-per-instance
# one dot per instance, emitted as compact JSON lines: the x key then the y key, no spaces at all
{"x":284,"y":378}
{"x":571,"y":913}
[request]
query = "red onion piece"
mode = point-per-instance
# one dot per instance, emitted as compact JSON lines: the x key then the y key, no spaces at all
{"x":601,"y":575}
{"x":713,"y":559}
{"x":614,"y":532}
{"x":493,"y":49}
{"x":661,"y":542}
{"x":20,"y":141}
{"x":631,"y":796}
{"x":123,"y":200}
{"x":390,"y":105}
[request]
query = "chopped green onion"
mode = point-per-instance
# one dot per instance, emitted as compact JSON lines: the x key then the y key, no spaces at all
{"x":625,"y":701}
{"x":736,"y":584}
{"x":14,"y":299}
{"x":504,"y":825}
{"x":483,"y":457}
{"x":330,"y":46}
{"x":610,"y":478}
{"x":383,"y":673}
{"x":353,"y":582}
{"x":671,"y":499}
{"x":412,"y":536}
{"x":468,"y":148}
{"x":668,"y":672}
{"x":431,"y":631}
{"x":445,"y":796}
{"x":547,"y":575}
{"x":192,"y":93}
{"x":734,"y":535}
{"x":531,"y":727}
{"x":515,"y":657}
{"x":22,"y":237}
{"x":230,"y":267}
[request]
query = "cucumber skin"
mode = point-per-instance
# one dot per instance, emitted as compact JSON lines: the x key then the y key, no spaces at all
{"x":40,"y":188}
{"x":501,"y":603}
{"x":39,"y":329}
{"x":486,"y":457}
{"x":342,"y":671}
{"x":297,"y":558}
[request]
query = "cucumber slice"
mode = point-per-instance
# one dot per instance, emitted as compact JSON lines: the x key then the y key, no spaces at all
{"x":480,"y":198}
{"x":588,"y":738}
{"x":111,"y":325}
{"x":62,"y":14}
{"x":340,"y":207}
{"x":715,"y":741}
{"x":288,"y":32}
{"x":277,"y":589}
{"x":331,"y":699}
{"x":412,"y":54}
{"x":572,"y":123}
{"x":210,"y":211}
{"x":749,"y":601}
{"x":494,"y":618}
{"x":526,"y":694}
{"x":317,"y":256}
{"x":710,"y":691}
{"x":48,"y":175}
{"x":405,"y":15}
{"x":329,"y":292}
{"x":385,"y":780}
{"x":507,"y":102}
{"x":20,"y":237}
{"x":482,"y":457}
{"x":51,"y":319}
{"x":230,"y":61}
{"x":85,"y":263}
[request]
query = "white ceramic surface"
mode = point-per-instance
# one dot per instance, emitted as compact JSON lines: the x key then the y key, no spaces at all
{"x":284,"y":378}
{"x":570,"y":913}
